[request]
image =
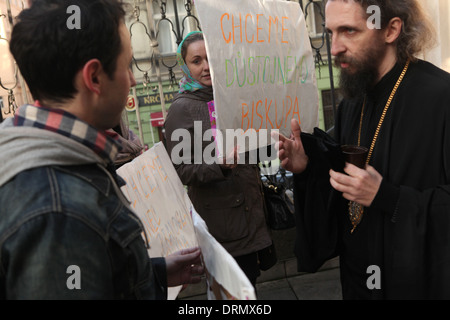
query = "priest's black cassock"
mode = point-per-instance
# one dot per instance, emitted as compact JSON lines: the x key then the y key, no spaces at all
{"x":406,"y":231}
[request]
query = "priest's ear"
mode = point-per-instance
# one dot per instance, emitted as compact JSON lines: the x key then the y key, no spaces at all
{"x":393,"y":30}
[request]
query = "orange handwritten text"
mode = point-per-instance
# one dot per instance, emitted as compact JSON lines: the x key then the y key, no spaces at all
{"x":151,"y":221}
{"x":269,"y":114}
{"x":257,"y":26}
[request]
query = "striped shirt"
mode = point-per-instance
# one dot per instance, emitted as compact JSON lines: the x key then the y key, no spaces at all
{"x":59,"y":121}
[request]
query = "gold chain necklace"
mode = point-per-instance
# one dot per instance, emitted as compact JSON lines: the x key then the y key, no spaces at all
{"x":356,"y":210}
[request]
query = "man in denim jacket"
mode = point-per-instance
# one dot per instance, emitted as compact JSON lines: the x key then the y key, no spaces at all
{"x":66,"y":230}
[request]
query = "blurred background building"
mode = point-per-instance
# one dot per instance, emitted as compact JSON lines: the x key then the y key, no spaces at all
{"x":158,"y":26}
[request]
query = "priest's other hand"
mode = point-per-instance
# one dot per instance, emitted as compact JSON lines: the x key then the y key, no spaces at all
{"x":357,"y":185}
{"x":291,"y":151}
{"x":184,"y":267}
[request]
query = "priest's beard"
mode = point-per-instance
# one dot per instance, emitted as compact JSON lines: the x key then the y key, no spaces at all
{"x":357,"y":83}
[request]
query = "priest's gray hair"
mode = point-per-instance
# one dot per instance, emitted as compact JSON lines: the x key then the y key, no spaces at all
{"x":418,"y":33}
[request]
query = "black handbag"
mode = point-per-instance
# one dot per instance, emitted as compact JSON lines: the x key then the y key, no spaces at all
{"x":279,"y":206}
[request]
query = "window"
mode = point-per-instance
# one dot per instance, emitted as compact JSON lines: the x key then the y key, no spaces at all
{"x":166,"y":25}
{"x":167,"y":38}
{"x":314,"y":21}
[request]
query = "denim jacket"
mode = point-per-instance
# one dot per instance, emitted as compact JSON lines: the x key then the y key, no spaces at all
{"x":67,"y":233}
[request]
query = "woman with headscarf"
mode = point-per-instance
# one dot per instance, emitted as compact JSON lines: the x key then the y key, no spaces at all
{"x":227,"y":196}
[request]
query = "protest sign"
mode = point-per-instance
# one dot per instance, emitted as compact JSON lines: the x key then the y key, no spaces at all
{"x":226,"y":280}
{"x":262,"y":68}
{"x":158,"y":197}
{"x":160,"y":200}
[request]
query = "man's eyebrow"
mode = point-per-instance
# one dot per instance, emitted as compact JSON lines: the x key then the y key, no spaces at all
{"x":343,"y":28}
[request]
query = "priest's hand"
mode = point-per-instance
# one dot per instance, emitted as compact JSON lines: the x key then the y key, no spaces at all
{"x":184,"y":267}
{"x":290,"y":151}
{"x":357,"y":185}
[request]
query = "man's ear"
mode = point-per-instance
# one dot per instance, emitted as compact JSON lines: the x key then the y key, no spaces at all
{"x":92,"y":73}
{"x":393,"y":30}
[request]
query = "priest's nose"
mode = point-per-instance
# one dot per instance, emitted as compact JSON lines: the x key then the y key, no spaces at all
{"x":337,"y":46}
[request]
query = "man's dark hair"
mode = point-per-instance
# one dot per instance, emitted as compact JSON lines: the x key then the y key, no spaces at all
{"x":49,"y":53}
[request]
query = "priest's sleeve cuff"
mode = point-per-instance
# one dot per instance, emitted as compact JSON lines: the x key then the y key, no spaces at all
{"x":386,"y":199}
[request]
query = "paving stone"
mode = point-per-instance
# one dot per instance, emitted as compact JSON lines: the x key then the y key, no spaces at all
{"x":275,"y":290}
{"x":323,"y":285}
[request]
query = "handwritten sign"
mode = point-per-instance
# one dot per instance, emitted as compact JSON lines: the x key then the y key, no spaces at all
{"x":226,"y":280}
{"x":262,"y":66}
{"x":158,"y":197}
